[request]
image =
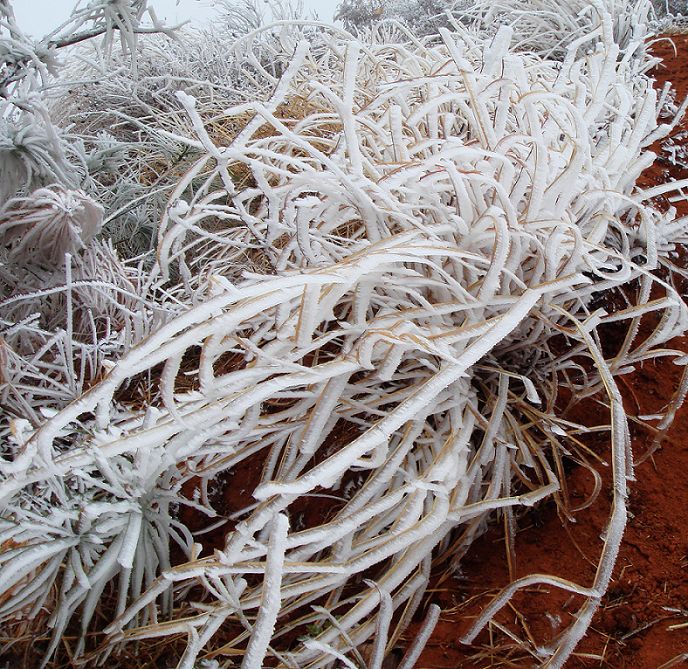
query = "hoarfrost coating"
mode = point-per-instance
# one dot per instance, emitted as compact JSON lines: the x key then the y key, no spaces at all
{"x":366,"y":252}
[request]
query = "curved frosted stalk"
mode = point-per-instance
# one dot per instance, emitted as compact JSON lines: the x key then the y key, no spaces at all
{"x":271,"y":600}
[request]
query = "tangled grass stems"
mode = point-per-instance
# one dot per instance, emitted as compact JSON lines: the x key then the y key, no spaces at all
{"x":431,"y":224}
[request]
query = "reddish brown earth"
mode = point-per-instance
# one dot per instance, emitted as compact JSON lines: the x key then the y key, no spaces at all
{"x":643,"y":620}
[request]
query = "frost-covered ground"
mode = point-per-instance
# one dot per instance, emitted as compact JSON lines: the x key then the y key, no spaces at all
{"x":372,"y":261}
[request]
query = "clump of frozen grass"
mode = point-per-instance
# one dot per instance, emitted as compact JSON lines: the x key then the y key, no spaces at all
{"x":551,"y":27}
{"x":547,"y":27}
{"x":62,"y":327}
{"x":76,"y":534}
{"x":32,"y":154}
{"x":128,"y":124}
{"x":49,"y":223}
{"x":428,"y":222}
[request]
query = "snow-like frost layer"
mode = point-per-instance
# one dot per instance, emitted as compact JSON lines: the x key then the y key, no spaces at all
{"x":433,"y":219}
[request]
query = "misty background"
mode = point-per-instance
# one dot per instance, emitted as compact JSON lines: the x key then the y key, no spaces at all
{"x":39,"y":17}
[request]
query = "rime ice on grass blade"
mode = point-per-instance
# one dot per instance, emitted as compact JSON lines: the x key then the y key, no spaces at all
{"x":428,"y":217}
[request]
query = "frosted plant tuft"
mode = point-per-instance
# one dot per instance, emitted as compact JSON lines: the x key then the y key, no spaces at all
{"x":376,"y":277}
{"x":49,"y":223}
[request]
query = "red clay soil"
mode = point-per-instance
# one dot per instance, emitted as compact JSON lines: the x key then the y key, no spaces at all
{"x":643,"y":620}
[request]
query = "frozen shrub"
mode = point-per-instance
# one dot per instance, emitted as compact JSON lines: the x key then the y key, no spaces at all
{"x":374,"y":277}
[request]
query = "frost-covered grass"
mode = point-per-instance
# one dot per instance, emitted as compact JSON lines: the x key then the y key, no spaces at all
{"x":377,"y":277}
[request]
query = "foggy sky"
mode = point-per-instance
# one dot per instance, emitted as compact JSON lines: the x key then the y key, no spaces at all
{"x":39,"y":17}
